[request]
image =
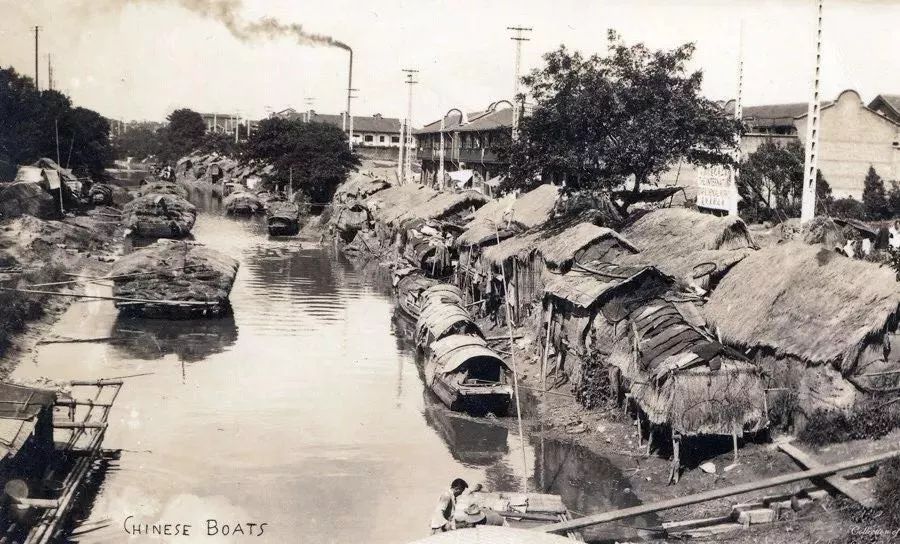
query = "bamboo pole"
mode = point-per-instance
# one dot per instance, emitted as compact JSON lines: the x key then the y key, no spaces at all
{"x":546,"y":350}
{"x":714,"y":494}
{"x":118,"y":299}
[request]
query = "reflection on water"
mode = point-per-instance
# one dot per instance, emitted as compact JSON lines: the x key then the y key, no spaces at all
{"x":191,"y":340}
{"x":305,"y":410}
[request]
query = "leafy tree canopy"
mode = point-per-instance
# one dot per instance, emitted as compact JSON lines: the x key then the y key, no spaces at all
{"x":314,"y":155}
{"x":770,"y":183}
{"x":600,"y":121}
{"x":31,"y":119}
{"x":185,"y":132}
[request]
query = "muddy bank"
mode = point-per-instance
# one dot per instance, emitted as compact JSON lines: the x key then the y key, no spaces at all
{"x":47,"y":255}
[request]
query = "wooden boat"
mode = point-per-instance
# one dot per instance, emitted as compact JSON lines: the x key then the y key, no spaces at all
{"x":410,"y":284}
{"x":159,"y":216}
{"x":467,"y":375}
{"x":521,"y":510}
{"x":242,"y":203}
{"x":49,"y":442}
{"x":283,"y":218}
{"x":441,"y":315}
{"x":174,"y":280}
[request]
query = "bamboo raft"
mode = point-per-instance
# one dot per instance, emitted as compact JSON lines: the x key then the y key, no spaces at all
{"x":83,"y":427}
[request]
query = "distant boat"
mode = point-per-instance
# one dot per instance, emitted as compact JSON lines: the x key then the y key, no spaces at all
{"x":242,"y":203}
{"x":283,"y":218}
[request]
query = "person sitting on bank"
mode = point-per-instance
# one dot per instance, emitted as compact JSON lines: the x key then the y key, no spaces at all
{"x":474,"y":515}
{"x":443,"y":518}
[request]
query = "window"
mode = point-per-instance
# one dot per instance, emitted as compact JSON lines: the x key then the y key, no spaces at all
{"x":381,"y":138}
{"x":395,"y":139}
{"x":369,"y":138}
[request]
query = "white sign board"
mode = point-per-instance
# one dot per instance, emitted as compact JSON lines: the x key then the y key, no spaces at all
{"x":716,"y":188}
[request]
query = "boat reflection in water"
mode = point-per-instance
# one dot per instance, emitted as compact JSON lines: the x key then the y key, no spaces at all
{"x":472,"y":442}
{"x":191,"y":339}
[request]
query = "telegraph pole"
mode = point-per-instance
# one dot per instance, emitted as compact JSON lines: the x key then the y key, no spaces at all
{"x":50,"y":71}
{"x":739,"y":115}
{"x":309,"y":101}
{"x":407,"y":142}
{"x":519,"y":37}
{"x":37,"y":86}
{"x":810,"y":162}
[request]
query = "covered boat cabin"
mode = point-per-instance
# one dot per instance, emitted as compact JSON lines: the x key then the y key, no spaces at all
{"x":467,"y":375}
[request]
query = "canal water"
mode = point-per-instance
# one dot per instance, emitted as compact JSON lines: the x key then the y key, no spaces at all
{"x":304,"y":411}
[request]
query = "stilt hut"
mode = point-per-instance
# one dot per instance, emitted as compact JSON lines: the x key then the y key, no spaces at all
{"x":633,"y":327}
{"x":694,"y":247}
{"x":824,"y":326}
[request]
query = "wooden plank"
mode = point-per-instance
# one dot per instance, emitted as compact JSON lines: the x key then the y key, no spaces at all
{"x":837,"y":481}
{"x":714,"y":494}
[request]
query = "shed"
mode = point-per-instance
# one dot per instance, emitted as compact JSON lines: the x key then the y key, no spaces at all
{"x":26,"y":429}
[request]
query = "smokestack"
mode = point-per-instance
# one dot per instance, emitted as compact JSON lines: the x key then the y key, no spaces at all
{"x":349,"y":96}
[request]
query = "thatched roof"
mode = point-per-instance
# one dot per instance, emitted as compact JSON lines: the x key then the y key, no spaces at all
{"x":560,"y":249}
{"x":395,"y":204}
{"x":682,"y":376}
{"x":684,"y":243}
{"x":585,"y":288}
{"x":361,"y":184}
{"x":444,"y":204}
{"x":529,"y":210}
{"x":805,"y":301}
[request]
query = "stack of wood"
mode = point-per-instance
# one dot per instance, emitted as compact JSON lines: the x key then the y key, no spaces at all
{"x":174,"y":280}
{"x":160,"y":215}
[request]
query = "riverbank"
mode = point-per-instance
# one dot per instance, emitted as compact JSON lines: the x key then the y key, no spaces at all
{"x":410,"y":226}
{"x":48,"y":255}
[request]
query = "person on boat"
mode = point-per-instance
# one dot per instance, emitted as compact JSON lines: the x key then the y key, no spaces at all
{"x":474,"y":515}
{"x":443,"y":518}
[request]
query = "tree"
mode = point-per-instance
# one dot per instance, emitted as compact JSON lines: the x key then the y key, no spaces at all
{"x":30,"y":121}
{"x":601,"y":121}
{"x":770,"y":183}
{"x":184,"y":134}
{"x":314,"y":155}
{"x":874,"y":196}
{"x":894,"y":199}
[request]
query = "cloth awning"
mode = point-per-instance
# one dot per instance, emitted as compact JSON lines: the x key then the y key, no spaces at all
{"x":461,"y":176}
{"x":454,"y":351}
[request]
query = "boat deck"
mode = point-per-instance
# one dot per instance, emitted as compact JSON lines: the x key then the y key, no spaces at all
{"x":522,"y":510}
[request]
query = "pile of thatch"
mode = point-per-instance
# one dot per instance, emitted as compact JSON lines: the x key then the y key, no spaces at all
{"x":806,"y":302}
{"x":689,"y":245}
{"x":26,"y":198}
{"x":159,"y":215}
{"x":163,"y":188}
{"x":243,"y":203}
{"x":174,"y":279}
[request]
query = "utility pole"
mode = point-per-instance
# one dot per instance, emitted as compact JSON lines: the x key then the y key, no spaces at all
{"x":309,"y":101}
{"x":519,"y":37}
{"x":739,"y":115}
{"x":37,"y":86}
{"x":810,"y":162}
{"x":407,"y":142}
{"x":50,"y":71}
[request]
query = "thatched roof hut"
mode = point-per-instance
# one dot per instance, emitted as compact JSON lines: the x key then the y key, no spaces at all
{"x":395,"y":204}
{"x":446,"y":204}
{"x":806,"y":302}
{"x":689,"y":245}
{"x":360,"y":185}
{"x":528,"y":210}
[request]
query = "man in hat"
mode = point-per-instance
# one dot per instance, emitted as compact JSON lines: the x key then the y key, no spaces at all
{"x":473,"y":515}
{"x":443,"y":518}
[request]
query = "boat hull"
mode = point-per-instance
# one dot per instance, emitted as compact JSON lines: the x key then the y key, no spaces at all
{"x":283,"y":228}
{"x":476,"y":401}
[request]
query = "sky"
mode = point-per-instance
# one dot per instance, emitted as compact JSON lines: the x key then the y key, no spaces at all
{"x":141,"y":59}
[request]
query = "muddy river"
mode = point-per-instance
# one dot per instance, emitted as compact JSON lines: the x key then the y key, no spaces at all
{"x":304,"y":411}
